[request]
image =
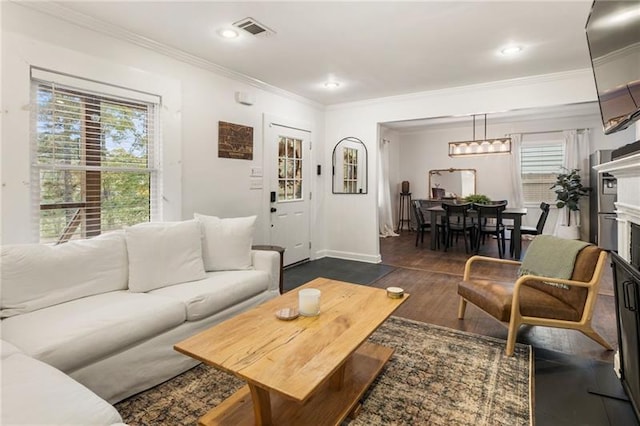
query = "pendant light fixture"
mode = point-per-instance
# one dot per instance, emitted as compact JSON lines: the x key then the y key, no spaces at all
{"x":480,"y":146}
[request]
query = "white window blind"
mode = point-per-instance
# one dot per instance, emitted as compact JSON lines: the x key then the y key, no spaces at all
{"x":94,"y":162}
{"x":540,"y":163}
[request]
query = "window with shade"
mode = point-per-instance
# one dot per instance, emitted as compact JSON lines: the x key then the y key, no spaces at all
{"x":93,"y":157}
{"x":540,"y":163}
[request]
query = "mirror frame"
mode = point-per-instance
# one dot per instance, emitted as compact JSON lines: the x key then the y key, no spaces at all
{"x":451,"y":170}
{"x":364,"y":168}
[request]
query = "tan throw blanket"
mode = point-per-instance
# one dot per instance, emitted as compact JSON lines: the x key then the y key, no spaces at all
{"x":552,"y":257}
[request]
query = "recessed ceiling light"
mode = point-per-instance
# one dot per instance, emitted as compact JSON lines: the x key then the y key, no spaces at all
{"x":228,"y":33}
{"x":332,"y":85}
{"x":511,"y":50}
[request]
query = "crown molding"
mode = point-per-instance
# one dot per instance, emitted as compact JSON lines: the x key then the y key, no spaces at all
{"x":491,"y":85}
{"x":74,"y":17}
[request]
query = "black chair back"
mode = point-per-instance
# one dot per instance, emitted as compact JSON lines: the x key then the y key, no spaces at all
{"x":543,"y":217}
{"x":494,"y":226}
{"x":493,"y":211}
{"x":456,"y":220}
{"x":455,"y":212}
{"x":417,"y":212}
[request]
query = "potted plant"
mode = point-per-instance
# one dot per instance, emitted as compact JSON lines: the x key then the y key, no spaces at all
{"x":477,"y":198}
{"x":569,"y":189}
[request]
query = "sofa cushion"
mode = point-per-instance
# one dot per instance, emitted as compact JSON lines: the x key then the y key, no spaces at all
{"x":35,"y":276}
{"x":164,"y":253}
{"x":35,"y":393}
{"x":226,"y":242}
{"x":217,"y":292}
{"x":7,"y":349}
{"x":74,"y":334}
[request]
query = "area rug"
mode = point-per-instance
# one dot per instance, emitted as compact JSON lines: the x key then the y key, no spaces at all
{"x":437,"y":376}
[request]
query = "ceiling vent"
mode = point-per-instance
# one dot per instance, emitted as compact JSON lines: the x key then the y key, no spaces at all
{"x":254,"y":27}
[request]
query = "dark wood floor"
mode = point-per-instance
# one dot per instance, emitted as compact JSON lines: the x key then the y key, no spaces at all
{"x":574,"y":376}
{"x":431,"y":277}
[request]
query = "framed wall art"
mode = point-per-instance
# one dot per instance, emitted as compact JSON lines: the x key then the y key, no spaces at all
{"x":235,"y":141}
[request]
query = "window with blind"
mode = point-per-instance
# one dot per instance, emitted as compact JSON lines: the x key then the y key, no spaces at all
{"x":540,"y":163}
{"x":93,"y":160}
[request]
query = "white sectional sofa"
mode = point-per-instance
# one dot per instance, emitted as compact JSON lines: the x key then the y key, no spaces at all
{"x":107,"y":311}
{"x":35,"y":393}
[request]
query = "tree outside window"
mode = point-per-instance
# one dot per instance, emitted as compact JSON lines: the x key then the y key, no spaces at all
{"x":93,"y":161}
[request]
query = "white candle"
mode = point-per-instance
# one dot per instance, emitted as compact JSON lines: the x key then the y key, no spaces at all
{"x":309,"y":302}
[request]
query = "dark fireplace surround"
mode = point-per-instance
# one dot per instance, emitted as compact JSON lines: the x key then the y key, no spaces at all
{"x":627,"y":298}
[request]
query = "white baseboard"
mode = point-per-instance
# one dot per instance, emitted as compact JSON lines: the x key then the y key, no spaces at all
{"x":351,"y":256}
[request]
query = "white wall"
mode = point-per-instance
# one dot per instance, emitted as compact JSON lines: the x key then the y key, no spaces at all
{"x":354,"y":227}
{"x":428,"y":149}
{"x":198,"y":181}
{"x":341,"y":225}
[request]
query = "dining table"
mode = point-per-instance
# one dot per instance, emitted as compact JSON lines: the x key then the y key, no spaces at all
{"x":514,"y":214}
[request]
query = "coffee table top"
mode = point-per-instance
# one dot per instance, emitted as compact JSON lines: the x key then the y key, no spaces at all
{"x":294,"y":357}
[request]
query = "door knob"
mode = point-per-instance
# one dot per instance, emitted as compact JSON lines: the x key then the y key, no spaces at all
{"x":273,"y":209}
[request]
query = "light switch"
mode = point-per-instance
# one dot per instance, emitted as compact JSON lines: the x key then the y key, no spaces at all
{"x":255,"y":183}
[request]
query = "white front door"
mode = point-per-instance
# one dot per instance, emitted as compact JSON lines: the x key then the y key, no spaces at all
{"x":289,"y":190}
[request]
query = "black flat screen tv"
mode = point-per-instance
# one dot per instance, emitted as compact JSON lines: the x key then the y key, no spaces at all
{"x":613,"y":37}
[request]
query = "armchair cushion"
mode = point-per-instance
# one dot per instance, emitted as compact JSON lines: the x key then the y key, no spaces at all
{"x":495,"y":298}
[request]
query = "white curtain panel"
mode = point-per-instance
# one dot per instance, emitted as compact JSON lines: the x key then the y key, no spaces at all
{"x":517,"y":199}
{"x":385,"y":215}
{"x":576,"y":156}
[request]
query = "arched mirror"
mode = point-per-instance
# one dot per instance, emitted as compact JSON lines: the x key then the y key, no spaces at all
{"x":452,"y":183}
{"x":350,"y":167}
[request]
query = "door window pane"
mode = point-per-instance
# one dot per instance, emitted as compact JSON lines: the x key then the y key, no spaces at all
{"x":290,"y":182}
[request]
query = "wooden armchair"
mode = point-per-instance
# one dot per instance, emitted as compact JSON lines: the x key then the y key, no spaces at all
{"x":529,"y":300}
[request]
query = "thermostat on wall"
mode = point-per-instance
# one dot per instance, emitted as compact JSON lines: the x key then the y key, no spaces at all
{"x":245,"y":98}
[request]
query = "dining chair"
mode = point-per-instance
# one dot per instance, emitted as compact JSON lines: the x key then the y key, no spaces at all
{"x":457,"y":221}
{"x":490,"y":223}
{"x":421,"y":224}
{"x":530,"y":230}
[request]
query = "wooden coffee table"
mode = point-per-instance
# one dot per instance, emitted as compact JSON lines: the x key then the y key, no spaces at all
{"x":310,"y":369}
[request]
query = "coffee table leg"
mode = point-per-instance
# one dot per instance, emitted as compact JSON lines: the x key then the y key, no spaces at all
{"x":337,"y":380}
{"x":261,"y":405}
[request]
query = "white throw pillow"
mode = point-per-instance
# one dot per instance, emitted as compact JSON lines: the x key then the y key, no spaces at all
{"x":35,"y":276}
{"x":227,"y":242}
{"x":164,"y":253}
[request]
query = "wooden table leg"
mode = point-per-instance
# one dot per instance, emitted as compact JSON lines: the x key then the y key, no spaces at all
{"x":261,"y":405}
{"x":517,"y":224}
{"x":253,"y":405}
{"x":337,"y":380}
{"x":434,"y":227}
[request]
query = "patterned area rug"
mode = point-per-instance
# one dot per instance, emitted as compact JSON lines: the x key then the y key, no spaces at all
{"x":437,"y":376}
